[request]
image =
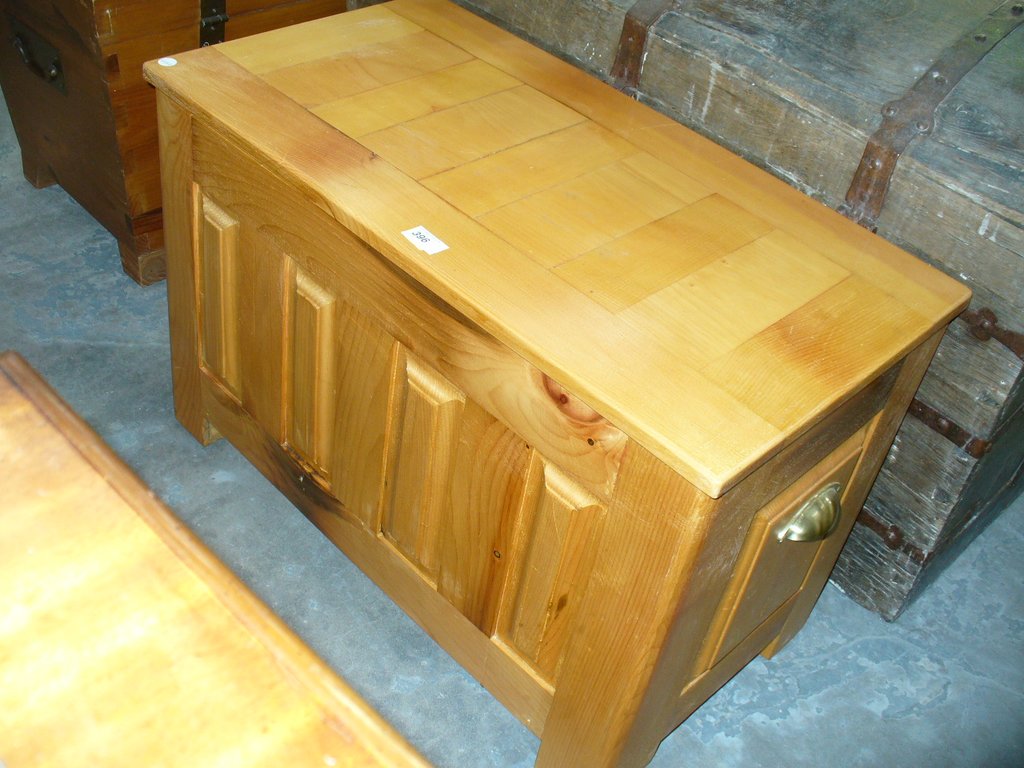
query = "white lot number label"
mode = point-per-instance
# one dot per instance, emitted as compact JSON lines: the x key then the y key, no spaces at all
{"x":424,"y":240}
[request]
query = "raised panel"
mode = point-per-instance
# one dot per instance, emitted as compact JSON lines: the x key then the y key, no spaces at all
{"x":426,"y":412}
{"x":218,"y":294}
{"x":311,"y":373}
{"x":770,"y":570}
{"x":243,"y":289}
{"x":553,"y":564}
{"x":487,"y":488}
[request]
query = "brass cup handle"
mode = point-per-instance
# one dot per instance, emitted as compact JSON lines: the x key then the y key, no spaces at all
{"x":817,"y":518}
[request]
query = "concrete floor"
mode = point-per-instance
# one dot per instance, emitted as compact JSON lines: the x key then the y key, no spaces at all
{"x":943,"y":686}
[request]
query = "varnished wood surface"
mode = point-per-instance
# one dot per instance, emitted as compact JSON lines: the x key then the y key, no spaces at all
{"x":124,"y":641}
{"x":529,"y":536}
{"x":670,"y":286}
{"x":556,"y":443}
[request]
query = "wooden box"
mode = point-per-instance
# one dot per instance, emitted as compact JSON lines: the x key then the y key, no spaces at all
{"x":124,"y":641}
{"x":799,"y":89}
{"x":595,"y":401}
{"x":71,"y":72}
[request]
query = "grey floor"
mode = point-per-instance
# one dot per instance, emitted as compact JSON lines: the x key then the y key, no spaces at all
{"x":943,"y":686}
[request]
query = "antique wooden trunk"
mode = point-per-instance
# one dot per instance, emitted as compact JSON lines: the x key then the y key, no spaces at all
{"x":71,"y":72}
{"x":592,"y":399}
{"x":124,"y":641}
{"x":800,"y":88}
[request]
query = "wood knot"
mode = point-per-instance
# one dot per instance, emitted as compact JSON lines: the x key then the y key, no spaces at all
{"x":571,"y":406}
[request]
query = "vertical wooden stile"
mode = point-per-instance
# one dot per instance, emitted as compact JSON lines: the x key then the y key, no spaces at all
{"x":182,"y":193}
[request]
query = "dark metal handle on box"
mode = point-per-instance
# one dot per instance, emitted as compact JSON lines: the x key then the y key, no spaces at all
{"x":41,"y":58}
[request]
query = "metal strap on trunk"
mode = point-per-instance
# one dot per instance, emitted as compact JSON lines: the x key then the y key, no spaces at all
{"x":629,"y":57}
{"x":971,"y":445}
{"x":913,"y":115}
{"x":892,"y":536}
{"x":984,"y":325}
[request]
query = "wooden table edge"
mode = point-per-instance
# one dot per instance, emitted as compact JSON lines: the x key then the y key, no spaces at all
{"x":290,"y":653}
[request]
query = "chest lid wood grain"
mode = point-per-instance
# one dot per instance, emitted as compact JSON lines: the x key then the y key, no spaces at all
{"x":707,"y":309}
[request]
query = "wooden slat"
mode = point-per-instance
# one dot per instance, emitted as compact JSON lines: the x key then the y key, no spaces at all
{"x":982,"y":403}
{"x":689,"y":313}
{"x":261,"y":321}
{"x":468,"y":131}
{"x":182,"y":277}
{"x":381,"y":108}
{"x":294,"y":44}
{"x":557,"y":224}
{"x":645,"y":260}
{"x":848,"y":336}
{"x":528,"y":168}
{"x":314,"y":83}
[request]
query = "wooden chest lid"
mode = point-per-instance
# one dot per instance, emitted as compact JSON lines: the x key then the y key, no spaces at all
{"x":704,"y":307}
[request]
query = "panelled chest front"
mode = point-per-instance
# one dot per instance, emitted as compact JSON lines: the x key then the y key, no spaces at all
{"x":592,"y":399}
{"x":71,"y":72}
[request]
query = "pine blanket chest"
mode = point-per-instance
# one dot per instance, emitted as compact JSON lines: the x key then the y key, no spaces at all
{"x":124,"y":641}
{"x":594,"y":400}
{"x":71,"y":72}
